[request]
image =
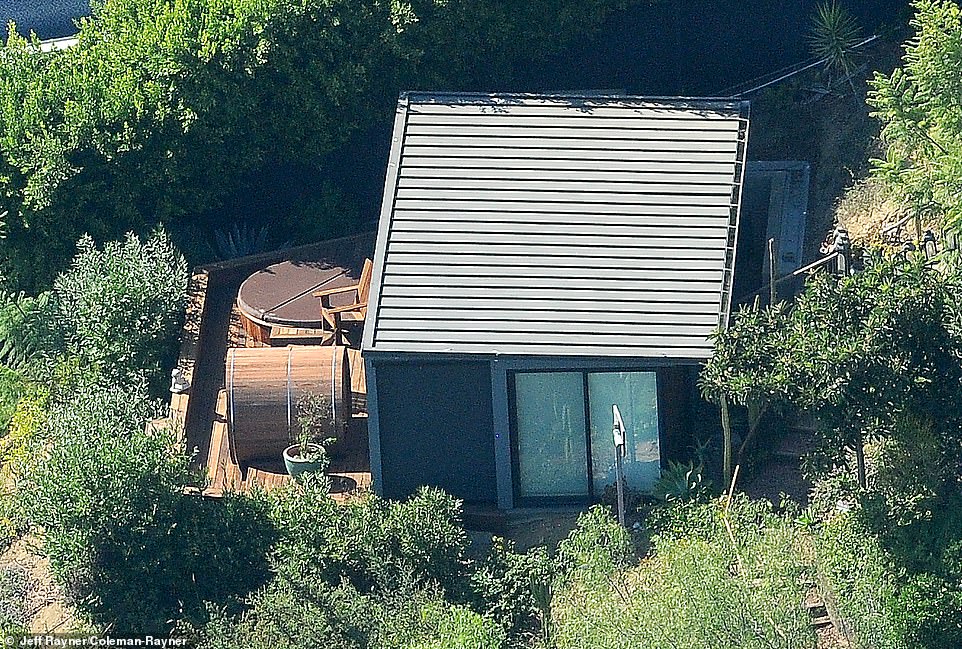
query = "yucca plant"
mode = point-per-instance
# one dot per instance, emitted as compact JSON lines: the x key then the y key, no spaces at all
{"x":833,"y":37}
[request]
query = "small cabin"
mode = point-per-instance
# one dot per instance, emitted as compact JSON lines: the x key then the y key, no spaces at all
{"x":540,"y":259}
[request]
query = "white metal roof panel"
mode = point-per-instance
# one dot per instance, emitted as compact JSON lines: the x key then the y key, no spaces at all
{"x":557,"y":225}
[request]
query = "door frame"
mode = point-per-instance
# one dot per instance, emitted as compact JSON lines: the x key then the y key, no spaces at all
{"x":512,"y":426}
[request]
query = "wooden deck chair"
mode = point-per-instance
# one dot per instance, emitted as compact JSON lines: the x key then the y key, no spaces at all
{"x":350,"y":313}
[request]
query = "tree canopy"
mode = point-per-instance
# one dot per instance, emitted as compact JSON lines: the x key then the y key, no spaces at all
{"x":920,"y":107}
{"x":164,"y":110}
{"x":874,"y":355}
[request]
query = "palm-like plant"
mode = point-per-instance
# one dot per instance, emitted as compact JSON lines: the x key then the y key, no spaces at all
{"x":27,"y":329}
{"x":833,"y":37}
{"x":243,"y":240}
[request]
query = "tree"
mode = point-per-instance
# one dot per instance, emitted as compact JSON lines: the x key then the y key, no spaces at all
{"x":877,"y":355}
{"x":920,"y":107}
{"x":165,"y":111}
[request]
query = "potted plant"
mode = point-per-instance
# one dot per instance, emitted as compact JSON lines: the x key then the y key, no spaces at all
{"x":308,"y":451}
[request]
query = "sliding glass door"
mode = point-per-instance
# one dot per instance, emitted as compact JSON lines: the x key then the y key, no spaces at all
{"x":636,"y":395}
{"x":562,"y":431}
{"x":551,"y":443}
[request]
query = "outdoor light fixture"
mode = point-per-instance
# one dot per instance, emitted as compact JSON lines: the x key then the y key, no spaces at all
{"x":618,"y":433}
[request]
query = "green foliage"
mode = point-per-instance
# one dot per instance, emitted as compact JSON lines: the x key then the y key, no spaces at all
{"x":366,"y":573}
{"x":477,"y":45}
{"x":318,"y":614}
{"x":25,"y":431}
{"x":242,"y":241}
{"x":283,"y":616}
{"x":514,"y":588}
{"x":114,"y":314}
{"x":885,"y":606}
{"x":874,"y":355}
{"x":124,"y":539}
{"x":597,"y":548}
{"x":838,"y":489}
{"x":920,"y":107}
{"x":158,"y":113}
{"x":27,"y":330}
{"x":121,"y":307}
{"x":169,"y":112}
{"x":834,"y":35}
{"x":14,"y":590}
{"x":444,"y":626}
{"x":682,"y":482}
{"x":369,"y":542}
{"x":13,"y":632}
{"x":314,"y":417}
{"x":695,"y":590}
{"x":11,"y":389}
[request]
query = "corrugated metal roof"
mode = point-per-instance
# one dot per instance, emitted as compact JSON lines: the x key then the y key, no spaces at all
{"x":557,"y":225}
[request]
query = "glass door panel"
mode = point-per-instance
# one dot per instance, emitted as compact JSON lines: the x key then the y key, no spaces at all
{"x":552,"y":449}
{"x":636,"y":395}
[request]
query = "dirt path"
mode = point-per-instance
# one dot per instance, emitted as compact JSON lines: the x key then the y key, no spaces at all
{"x":28,"y":595}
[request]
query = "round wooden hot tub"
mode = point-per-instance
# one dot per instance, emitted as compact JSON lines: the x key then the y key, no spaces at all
{"x":265,"y":386}
{"x":281,"y":295}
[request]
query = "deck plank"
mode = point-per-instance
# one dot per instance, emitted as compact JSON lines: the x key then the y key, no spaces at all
{"x":358,"y":381}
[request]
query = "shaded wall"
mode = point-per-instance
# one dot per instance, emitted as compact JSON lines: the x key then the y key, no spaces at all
{"x":678,"y":401}
{"x":435,"y":424}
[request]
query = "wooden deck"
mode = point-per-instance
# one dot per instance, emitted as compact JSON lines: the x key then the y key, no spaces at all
{"x":350,"y":463}
{"x":213,"y":326}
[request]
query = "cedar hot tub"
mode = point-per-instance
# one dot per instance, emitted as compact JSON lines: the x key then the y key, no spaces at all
{"x":280,"y":297}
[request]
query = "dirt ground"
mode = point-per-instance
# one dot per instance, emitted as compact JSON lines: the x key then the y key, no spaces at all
{"x":28,"y":595}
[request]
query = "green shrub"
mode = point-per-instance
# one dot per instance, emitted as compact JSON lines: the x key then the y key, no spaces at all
{"x":864,"y":580}
{"x":366,"y":573}
{"x":512,"y":587}
{"x":24,"y":433}
{"x":681,"y":482}
{"x":121,"y":306}
{"x":14,"y":590}
{"x":446,"y":626}
{"x":11,"y":389}
{"x":11,"y":631}
{"x":886,"y":605}
{"x":287,"y":616}
{"x":694,"y":590}
{"x":284,"y":616}
{"x":921,"y":117}
{"x":28,"y":331}
{"x":598,"y":546}
{"x":372,"y":543}
{"x":832,"y":491}
{"x":873,"y":355}
{"x":124,"y":539}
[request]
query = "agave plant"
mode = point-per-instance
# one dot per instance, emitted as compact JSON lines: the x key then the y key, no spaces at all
{"x":681,"y":482}
{"x":241,"y":241}
{"x":833,"y":37}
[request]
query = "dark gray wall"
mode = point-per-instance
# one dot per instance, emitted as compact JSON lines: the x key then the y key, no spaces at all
{"x":435,"y":427}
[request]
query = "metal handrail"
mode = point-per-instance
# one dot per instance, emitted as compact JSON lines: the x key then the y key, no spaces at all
{"x":795,"y":273}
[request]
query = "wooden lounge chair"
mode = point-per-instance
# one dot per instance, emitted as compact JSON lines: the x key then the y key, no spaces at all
{"x":350,"y":313}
